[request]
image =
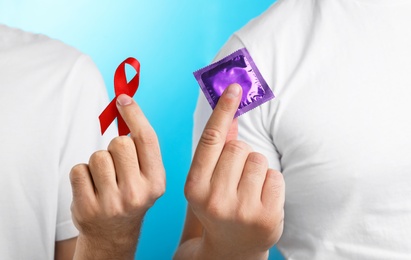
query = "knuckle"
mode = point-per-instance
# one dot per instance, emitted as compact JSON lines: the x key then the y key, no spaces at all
{"x":267,"y":223}
{"x":258,"y":220}
{"x":147,"y":137}
{"x":77,"y":173}
{"x":100,"y":159}
{"x":277,"y":185}
{"x":120,"y":142}
{"x":211,"y":136}
{"x":158,"y":188}
{"x":258,"y":159}
{"x":191,"y":192}
{"x":278,"y":176}
{"x":84,"y":215}
{"x":195,"y":191}
{"x":277,"y":191}
{"x":143,"y":197}
{"x":271,"y":221}
{"x":111,"y":206}
{"x":216,"y":209}
{"x":113,"y":210}
{"x":237,"y":147}
{"x":102,"y":166}
{"x":242,"y":215}
{"x":134,"y":200}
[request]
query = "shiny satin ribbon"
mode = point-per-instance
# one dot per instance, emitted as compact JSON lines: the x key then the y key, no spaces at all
{"x":120,"y":87}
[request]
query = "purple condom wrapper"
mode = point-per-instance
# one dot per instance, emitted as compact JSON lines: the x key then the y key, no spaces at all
{"x":240,"y":68}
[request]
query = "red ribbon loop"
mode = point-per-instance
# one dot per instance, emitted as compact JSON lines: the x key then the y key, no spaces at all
{"x":120,"y":87}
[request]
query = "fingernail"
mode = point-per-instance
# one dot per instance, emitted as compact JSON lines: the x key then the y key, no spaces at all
{"x":233,"y":91}
{"x":123,"y":100}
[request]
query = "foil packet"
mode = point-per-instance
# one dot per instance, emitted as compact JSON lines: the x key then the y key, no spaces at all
{"x":240,"y":68}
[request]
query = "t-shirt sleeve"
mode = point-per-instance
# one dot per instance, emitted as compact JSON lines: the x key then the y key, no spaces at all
{"x":85,"y":97}
{"x":254,"y":126}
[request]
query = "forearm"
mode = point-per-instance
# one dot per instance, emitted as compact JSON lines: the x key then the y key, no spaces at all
{"x":64,"y":250}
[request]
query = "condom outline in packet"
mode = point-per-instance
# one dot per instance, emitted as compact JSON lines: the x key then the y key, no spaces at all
{"x":240,"y":68}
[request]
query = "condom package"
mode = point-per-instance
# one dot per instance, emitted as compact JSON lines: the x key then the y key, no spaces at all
{"x":239,"y":68}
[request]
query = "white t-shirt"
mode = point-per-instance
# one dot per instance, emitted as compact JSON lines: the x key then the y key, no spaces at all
{"x":339,"y":128}
{"x":50,"y":97}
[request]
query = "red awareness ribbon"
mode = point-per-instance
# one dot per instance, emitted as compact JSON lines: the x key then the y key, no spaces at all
{"x":120,"y":87}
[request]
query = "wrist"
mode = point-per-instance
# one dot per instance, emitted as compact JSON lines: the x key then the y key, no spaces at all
{"x":88,"y":247}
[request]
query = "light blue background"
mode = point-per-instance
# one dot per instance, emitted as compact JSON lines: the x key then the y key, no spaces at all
{"x":171,"y":39}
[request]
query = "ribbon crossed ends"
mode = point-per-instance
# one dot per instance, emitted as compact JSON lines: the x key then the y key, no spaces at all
{"x":121,"y":86}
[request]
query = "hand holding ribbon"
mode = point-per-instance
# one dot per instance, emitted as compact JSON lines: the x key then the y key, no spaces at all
{"x":120,"y":87}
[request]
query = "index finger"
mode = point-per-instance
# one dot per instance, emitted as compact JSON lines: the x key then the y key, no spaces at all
{"x":214,"y":135}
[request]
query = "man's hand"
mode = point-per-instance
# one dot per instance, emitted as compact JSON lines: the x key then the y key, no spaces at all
{"x":237,"y":199}
{"x":113,"y":192}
